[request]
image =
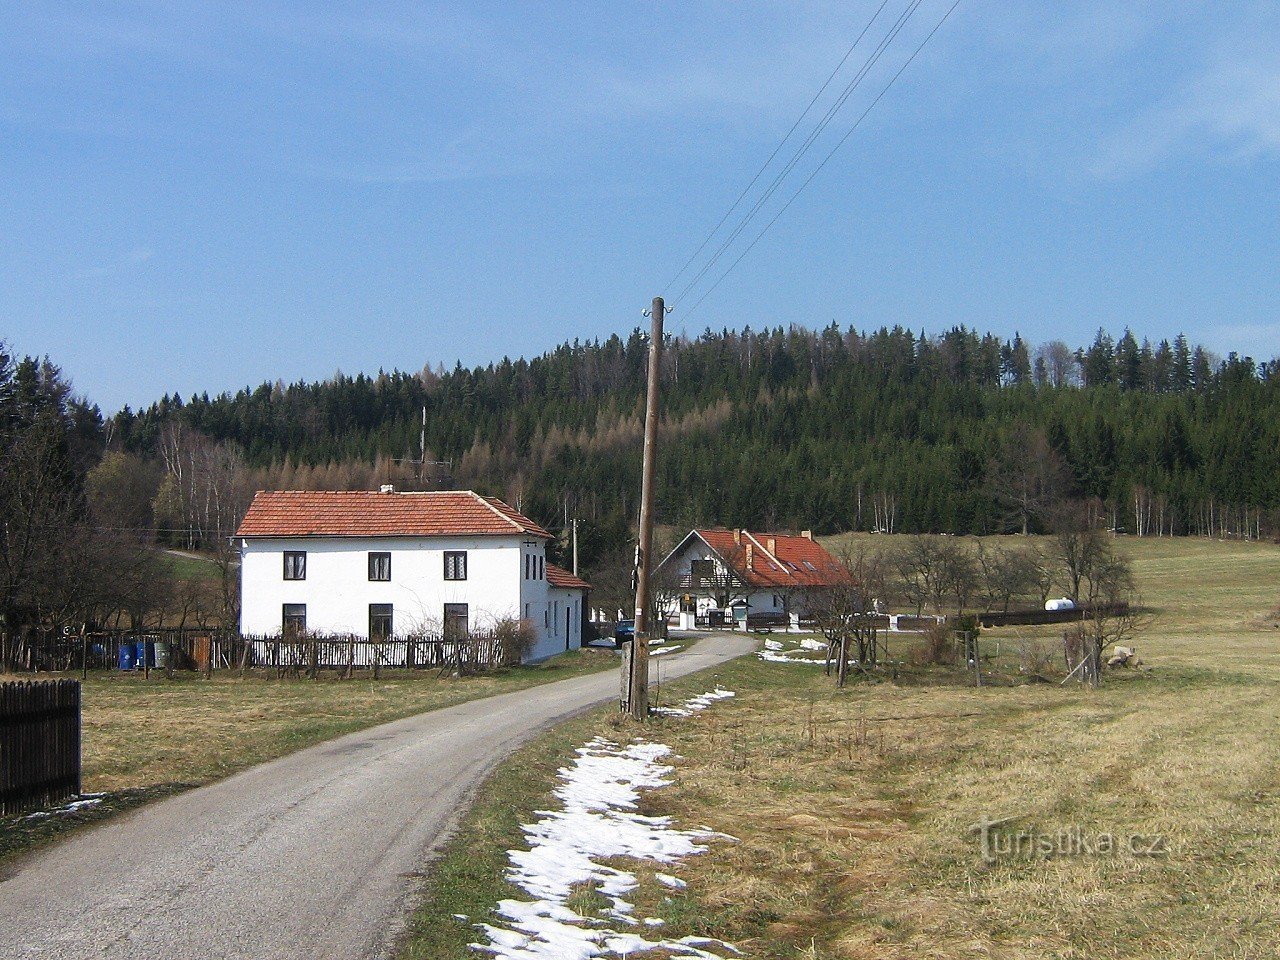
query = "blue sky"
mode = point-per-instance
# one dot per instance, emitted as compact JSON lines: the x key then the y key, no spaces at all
{"x":200,"y":197}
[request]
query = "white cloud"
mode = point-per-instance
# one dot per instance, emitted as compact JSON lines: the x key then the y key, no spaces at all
{"x":1230,"y":111}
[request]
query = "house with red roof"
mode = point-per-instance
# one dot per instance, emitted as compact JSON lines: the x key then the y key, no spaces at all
{"x":391,"y":564}
{"x":739,"y":574}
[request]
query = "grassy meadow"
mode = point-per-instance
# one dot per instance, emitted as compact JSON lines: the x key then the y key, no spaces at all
{"x":1140,"y":820}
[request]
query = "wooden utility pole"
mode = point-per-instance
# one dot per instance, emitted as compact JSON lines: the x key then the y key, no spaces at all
{"x":575,"y":546}
{"x":637,"y":700}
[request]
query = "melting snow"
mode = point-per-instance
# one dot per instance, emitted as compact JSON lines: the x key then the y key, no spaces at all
{"x":694,"y":704}
{"x":598,"y":820}
{"x":771,"y":656}
{"x":86,"y":800}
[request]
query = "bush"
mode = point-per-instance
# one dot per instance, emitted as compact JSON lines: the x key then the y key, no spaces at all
{"x":938,"y":647}
{"x":1035,"y":657}
{"x":515,"y":638}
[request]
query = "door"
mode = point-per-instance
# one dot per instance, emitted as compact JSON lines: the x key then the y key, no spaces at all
{"x":294,"y":621}
{"x":380,"y":626}
{"x":568,"y":615}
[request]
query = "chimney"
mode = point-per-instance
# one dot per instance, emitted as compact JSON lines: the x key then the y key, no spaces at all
{"x":748,"y":556}
{"x":737,"y":537}
{"x":387,"y":488}
{"x":807,"y":534}
{"x":773,"y":545}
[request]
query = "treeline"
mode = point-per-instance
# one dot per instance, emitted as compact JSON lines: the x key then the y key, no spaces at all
{"x":830,"y":430}
{"x":833,"y":429}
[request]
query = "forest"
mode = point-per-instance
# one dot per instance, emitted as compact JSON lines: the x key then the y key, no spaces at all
{"x":831,"y":430}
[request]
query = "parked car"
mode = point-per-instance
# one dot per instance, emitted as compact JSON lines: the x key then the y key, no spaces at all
{"x":624,"y":631}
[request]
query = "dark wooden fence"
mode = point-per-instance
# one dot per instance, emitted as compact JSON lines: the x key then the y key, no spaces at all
{"x":1037,"y":617}
{"x":209,"y":650}
{"x":310,"y":653}
{"x":39,"y":744}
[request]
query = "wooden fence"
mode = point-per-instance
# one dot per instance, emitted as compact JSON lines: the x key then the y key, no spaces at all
{"x":209,"y":650}
{"x":39,"y":744}
{"x":311,"y":653}
{"x":1037,"y":617}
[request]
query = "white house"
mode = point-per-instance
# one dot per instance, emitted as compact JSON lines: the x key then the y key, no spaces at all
{"x":738,"y":574}
{"x":391,"y":564}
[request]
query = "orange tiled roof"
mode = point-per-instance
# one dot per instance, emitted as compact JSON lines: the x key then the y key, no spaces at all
{"x":363,"y":513}
{"x":776,"y":559}
{"x":560,"y":577}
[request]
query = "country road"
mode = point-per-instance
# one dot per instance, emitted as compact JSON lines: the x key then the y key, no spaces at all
{"x":310,"y":856}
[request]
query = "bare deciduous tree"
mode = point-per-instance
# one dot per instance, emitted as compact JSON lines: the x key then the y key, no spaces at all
{"x":845,"y":612}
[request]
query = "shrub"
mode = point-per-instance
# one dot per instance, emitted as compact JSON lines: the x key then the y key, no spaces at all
{"x":515,"y":638}
{"x":938,"y":648}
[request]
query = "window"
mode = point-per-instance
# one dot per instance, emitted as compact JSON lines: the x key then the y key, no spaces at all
{"x":456,"y":621}
{"x":379,"y":622}
{"x":455,"y":564}
{"x":380,"y":566}
{"x":294,"y":620}
{"x":528,"y":557}
{"x":295,"y":565}
{"x":541,"y":564}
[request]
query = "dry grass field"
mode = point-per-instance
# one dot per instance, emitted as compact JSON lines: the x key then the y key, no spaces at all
{"x":1141,"y":820}
{"x":143,"y":733}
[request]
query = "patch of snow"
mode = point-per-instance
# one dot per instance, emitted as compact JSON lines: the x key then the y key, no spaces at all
{"x":769,"y":656}
{"x":658,"y":653}
{"x":773,"y":644}
{"x":599,"y":795}
{"x":809,"y":643}
{"x":86,"y":800}
{"x":694,"y":704}
{"x":667,"y":880}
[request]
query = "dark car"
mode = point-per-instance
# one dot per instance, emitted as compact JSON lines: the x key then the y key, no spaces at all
{"x":624,"y":631}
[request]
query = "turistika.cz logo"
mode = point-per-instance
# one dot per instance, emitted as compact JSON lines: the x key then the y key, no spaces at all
{"x":997,"y":843}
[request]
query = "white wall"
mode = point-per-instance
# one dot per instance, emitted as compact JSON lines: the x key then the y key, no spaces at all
{"x":337,"y":590}
{"x":560,"y":621}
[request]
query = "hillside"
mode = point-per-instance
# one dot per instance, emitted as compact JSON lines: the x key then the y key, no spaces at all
{"x":832,"y":430}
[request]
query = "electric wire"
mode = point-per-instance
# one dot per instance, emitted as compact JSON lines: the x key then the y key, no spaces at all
{"x":776,"y":150}
{"x":946,"y":16}
{"x":871,"y":61}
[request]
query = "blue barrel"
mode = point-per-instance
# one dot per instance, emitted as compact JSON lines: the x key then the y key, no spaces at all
{"x":128,"y":655}
{"x":146,"y":655}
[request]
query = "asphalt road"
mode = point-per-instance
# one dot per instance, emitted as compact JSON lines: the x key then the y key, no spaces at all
{"x":311,"y":856}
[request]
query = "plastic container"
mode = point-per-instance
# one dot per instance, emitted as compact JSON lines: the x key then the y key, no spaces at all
{"x":128,"y":659}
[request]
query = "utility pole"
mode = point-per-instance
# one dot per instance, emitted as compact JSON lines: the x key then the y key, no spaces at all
{"x":637,"y":700}
{"x":575,"y":546}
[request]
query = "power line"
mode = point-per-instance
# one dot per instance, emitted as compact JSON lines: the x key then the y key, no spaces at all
{"x":778,"y":149}
{"x":946,"y":16}
{"x":872,"y":59}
